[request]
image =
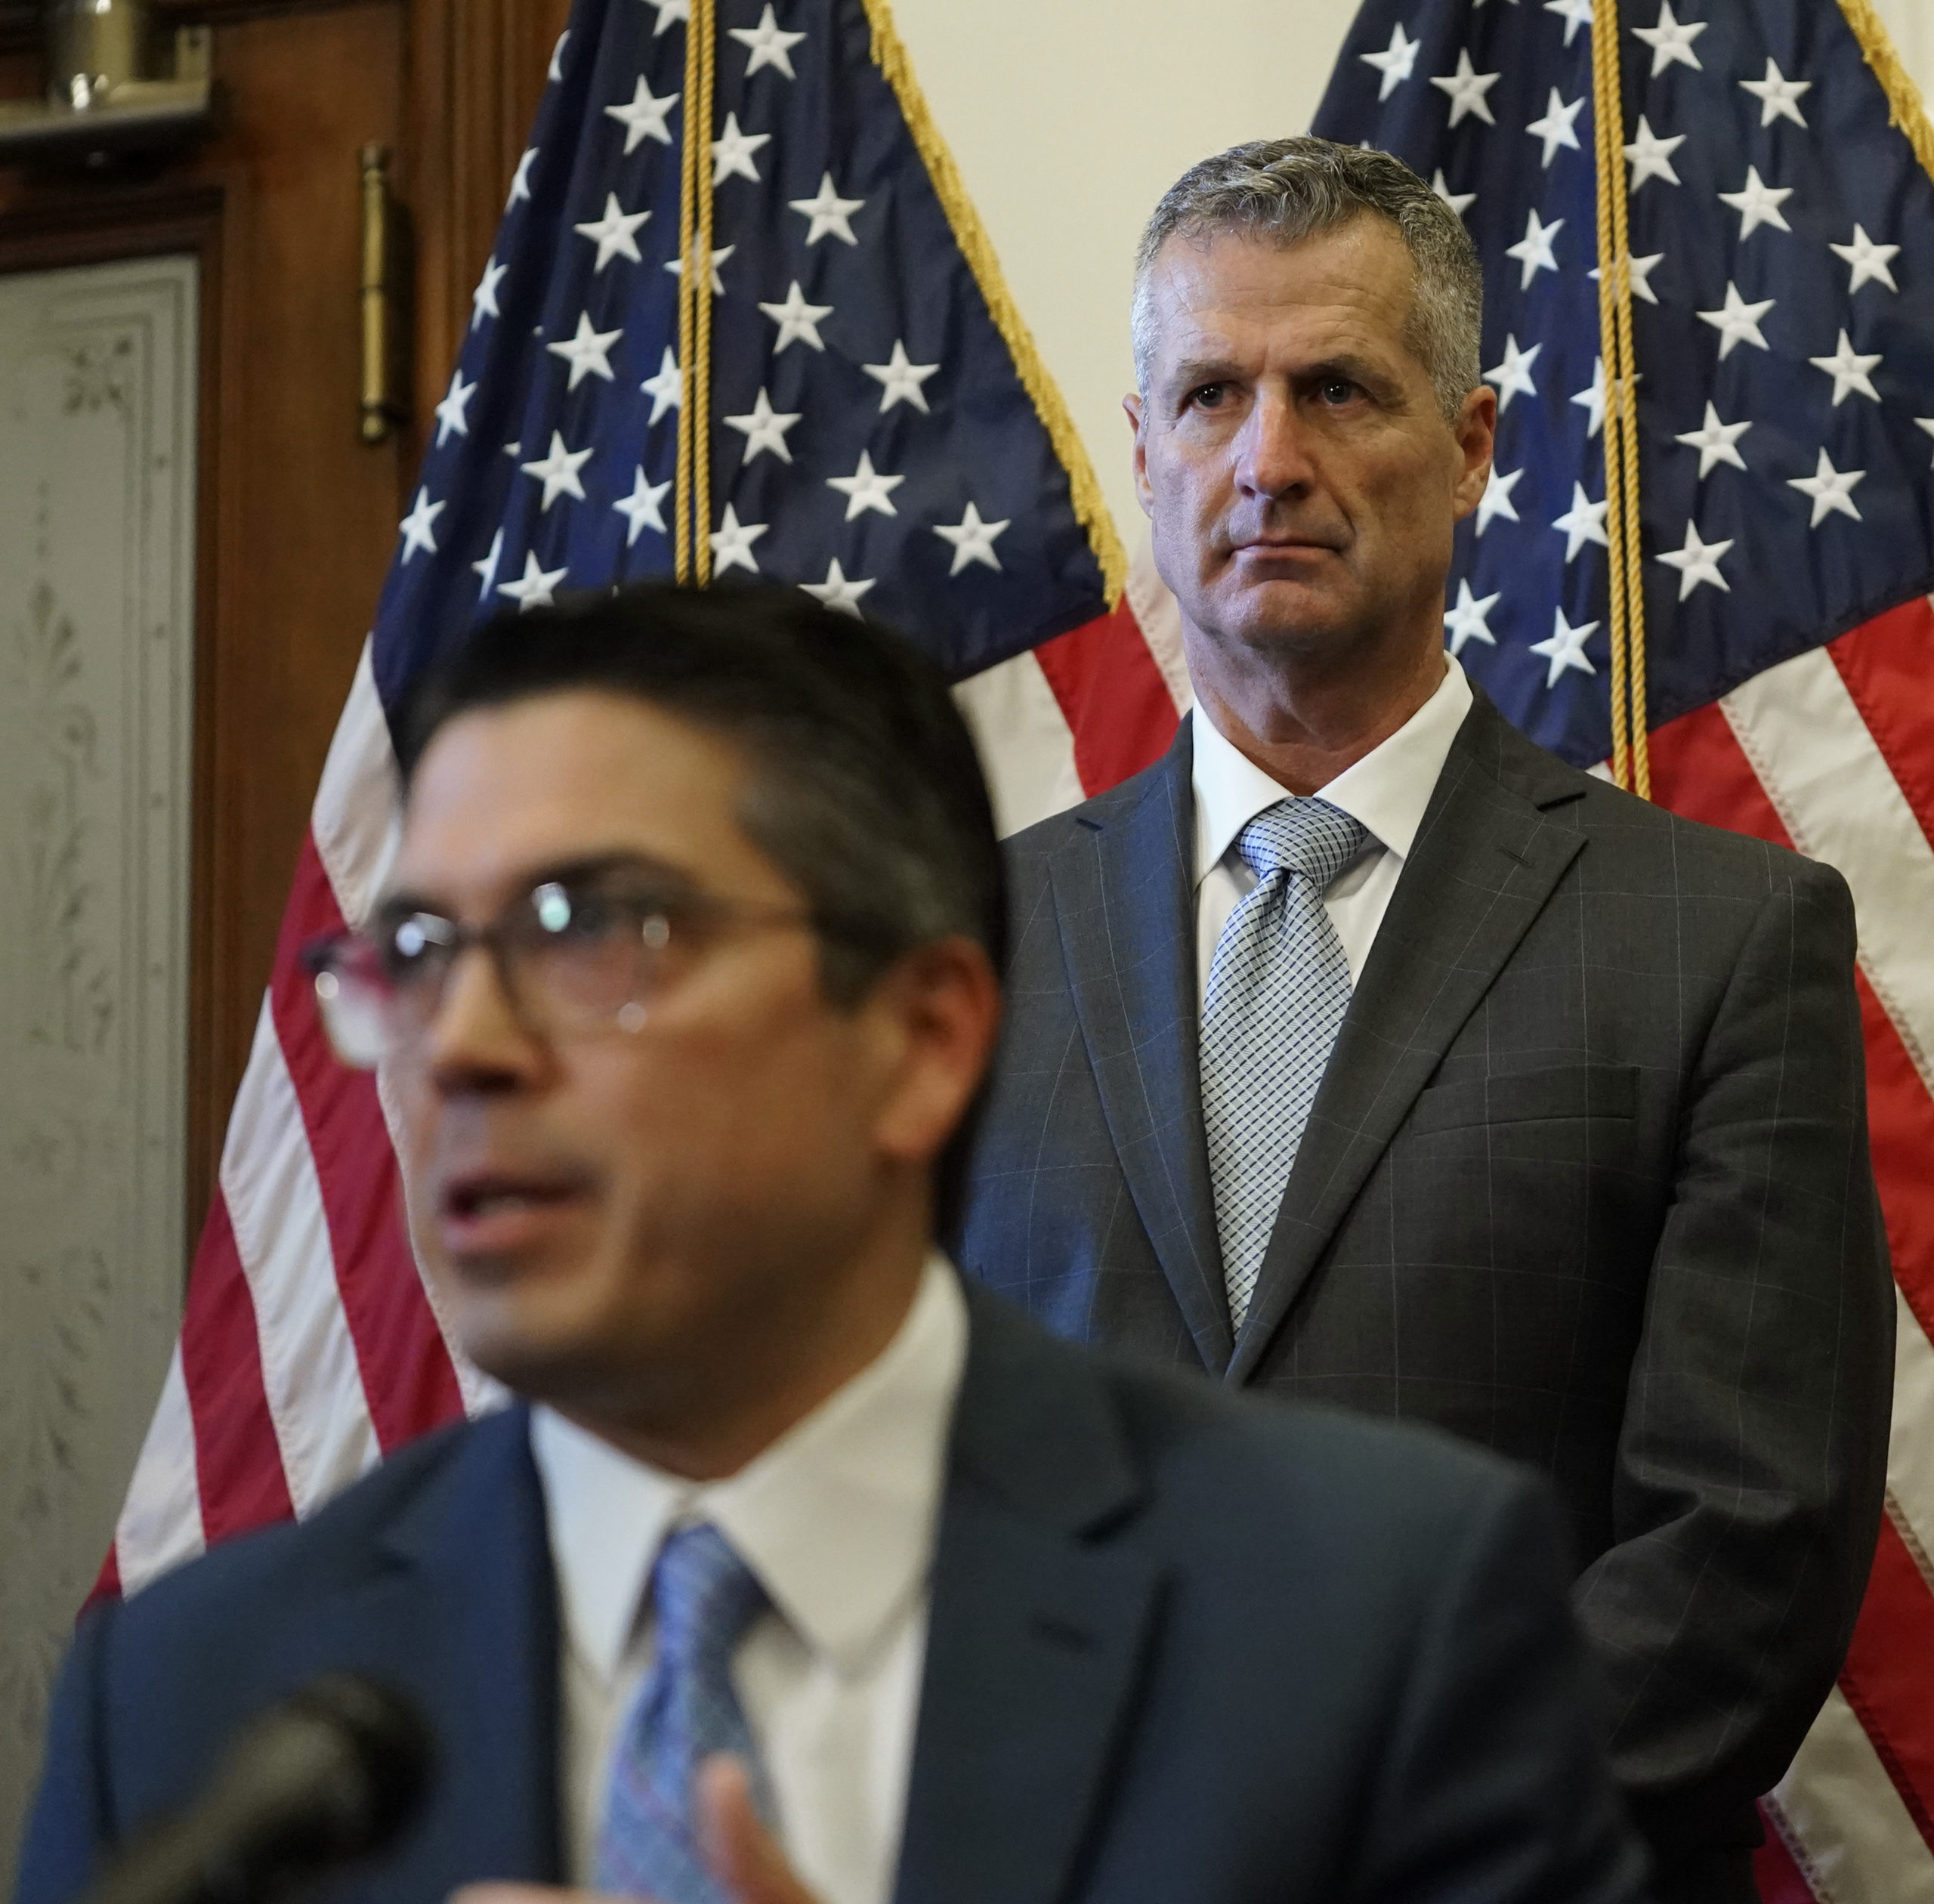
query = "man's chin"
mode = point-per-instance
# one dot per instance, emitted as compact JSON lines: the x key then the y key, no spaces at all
{"x":1276,"y":617}
{"x":532,"y":1338}
{"x":575,"y":1376}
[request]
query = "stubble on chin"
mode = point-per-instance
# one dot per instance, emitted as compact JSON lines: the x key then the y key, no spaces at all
{"x":1244,"y":626}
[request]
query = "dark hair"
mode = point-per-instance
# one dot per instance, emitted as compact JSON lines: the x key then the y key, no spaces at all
{"x":865,"y":790}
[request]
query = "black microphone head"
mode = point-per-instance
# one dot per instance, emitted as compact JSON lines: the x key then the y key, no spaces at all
{"x":386,"y":1747}
{"x":331,"y":1774}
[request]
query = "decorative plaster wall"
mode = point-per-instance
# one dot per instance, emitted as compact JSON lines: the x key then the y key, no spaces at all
{"x":98,"y":394}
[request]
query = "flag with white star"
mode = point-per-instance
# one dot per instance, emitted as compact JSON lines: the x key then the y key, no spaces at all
{"x":882,"y":435}
{"x":1781,"y":261}
{"x":1782,"y":241}
{"x":872,"y":439}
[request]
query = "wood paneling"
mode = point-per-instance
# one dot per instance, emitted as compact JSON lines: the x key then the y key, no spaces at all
{"x":222,"y":12}
{"x":23,"y":50}
{"x":19,"y":26}
{"x":298,"y":516}
{"x":306,"y":512}
{"x":477,"y":70}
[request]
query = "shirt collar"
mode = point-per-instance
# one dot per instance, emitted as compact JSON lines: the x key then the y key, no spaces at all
{"x":836,"y":1518}
{"x":1388,"y":789}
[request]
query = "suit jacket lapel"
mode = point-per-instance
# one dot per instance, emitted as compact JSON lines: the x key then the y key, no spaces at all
{"x":1123,"y":889}
{"x":1038,"y":1632}
{"x":1485,"y":862}
{"x":467,"y":1617}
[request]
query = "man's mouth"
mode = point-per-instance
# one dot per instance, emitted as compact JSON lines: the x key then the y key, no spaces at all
{"x":493,"y":1211}
{"x":1268,"y":545}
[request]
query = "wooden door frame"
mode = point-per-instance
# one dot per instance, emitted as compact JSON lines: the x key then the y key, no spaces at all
{"x":476,"y":70}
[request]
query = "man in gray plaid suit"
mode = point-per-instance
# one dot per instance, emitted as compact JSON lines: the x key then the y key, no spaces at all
{"x":1361,"y":1051}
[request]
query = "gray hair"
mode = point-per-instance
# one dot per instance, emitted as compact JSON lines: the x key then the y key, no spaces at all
{"x":1287,"y":190}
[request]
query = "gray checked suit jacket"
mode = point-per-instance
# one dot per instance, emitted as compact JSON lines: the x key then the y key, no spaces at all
{"x":1586,"y":1181}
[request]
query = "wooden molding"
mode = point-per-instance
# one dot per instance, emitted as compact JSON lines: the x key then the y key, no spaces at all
{"x":477,"y":68}
{"x":20,"y":29}
{"x":44,"y":227}
{"x":213,"y":13}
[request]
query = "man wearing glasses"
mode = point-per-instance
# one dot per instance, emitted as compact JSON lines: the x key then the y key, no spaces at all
{"x":802,"y":1571}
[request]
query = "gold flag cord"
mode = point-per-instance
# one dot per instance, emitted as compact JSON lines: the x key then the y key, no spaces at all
{"x":697,"y":279}
{"x":1631,"y":760}
{"x":681,"y":495}
{"x":1606,"y":121}
{"x":691,"y":505}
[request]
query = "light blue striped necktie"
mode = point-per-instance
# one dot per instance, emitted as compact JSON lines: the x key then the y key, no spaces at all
{"x":1278,"y":988}
{"x":704,"y":1597}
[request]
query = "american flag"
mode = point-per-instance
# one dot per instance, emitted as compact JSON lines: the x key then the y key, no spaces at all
{"x":882,"y":434}
{"x":1781,"y":249}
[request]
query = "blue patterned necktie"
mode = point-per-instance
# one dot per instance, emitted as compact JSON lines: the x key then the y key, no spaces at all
{"x":1277,"y":991}
{"x":704,"y":1597}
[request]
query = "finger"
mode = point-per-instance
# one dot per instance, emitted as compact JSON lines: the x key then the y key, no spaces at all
{"x":739,"y":1849}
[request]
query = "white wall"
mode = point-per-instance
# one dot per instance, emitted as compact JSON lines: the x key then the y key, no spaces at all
{"x":1070,"y":118}
{"x":1911,"y":23}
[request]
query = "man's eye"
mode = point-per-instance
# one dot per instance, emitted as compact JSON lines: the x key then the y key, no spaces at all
{"x":1207,"y":396}
{"x":1337,"y":390}
{"x":413,"y":943}
{"x":577,"y":915}
{"x":580,"y":916}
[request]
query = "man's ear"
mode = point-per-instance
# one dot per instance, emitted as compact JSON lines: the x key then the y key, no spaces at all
{"x":1476,"y":432}
{"x":937,"y":1012}
{"x":1137,"y":409}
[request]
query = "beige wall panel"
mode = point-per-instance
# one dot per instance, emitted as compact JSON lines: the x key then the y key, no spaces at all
{"x":97,"y":405}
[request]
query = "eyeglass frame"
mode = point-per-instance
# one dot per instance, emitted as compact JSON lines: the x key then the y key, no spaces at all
{"x":326,"y":957}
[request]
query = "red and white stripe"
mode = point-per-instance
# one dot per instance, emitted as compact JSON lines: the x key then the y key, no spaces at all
{"x":1833,"y":753}
{"x":310,"y":1347}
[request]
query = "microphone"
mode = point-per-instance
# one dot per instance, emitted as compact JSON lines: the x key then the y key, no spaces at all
{"x":332,"y":1773}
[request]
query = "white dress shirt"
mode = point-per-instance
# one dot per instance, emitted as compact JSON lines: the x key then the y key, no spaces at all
{"x":837,"y":1518}
{"x":1388,"y":790}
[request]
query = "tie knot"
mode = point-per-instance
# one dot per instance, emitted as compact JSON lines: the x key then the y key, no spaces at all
{"x":1308,"y":837}
{"x":704,"y":1595}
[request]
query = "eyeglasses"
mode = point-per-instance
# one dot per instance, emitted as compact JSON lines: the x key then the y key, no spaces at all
{"x":575,"y":956}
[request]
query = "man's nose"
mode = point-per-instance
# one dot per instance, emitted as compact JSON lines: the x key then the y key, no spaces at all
{"x":477,"y":1039}
{"x":1274,"y":454}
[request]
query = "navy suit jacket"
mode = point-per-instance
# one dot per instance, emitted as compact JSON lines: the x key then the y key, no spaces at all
{"x":1180,"y":1647}
{"x":1586,"y":1181}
